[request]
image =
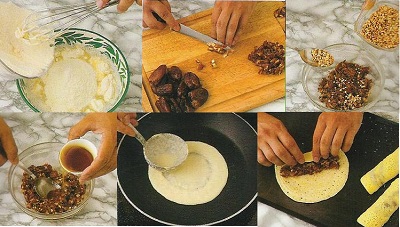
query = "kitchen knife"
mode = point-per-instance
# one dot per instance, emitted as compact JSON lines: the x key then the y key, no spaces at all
{"x":197,"y":35}
{"x":193,"y":33}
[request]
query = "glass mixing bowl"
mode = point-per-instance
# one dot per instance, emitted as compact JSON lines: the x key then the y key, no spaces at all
{"x":40,"y":154}
{"x":366,"y":14}
{"x":312,"y":76}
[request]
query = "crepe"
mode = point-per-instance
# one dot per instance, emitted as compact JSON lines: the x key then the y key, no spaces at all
{"x":387,"y":169}
{"x":318,"y":186}
{"x":199,"y":179}
{"x":379,"y":213}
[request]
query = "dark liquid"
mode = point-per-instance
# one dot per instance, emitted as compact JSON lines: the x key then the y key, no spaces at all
{"x":76,"y":159}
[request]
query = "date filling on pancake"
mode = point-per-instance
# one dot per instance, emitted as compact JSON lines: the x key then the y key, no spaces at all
{"x":332,"y":162}
{"x":313,"y":182}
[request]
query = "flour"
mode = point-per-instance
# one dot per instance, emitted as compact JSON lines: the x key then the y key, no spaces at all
{"x":80,"y":79}
{"x":18,"y":55}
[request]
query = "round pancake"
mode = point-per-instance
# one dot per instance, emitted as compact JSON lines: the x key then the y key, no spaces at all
{"x":317,"y":187}
{"x":199,"y":179}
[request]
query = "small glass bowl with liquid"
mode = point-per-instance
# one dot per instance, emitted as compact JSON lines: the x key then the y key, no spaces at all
{"x":76,"y":155}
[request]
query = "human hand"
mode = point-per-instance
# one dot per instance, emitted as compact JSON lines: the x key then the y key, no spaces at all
{"x":124,"y":119}
{"x":229,"y":18}
{"x":335,"y":131}
{"x":275,"y":144}
{"x":9,"y":150}
{"x":163,"y":9}
{"x":106,"y":124}
{"x":122,"y":6}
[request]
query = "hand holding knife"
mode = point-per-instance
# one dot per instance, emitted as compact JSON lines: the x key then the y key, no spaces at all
{"x":193,"y":33}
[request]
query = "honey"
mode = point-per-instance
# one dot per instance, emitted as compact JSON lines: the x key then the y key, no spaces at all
{"x":76,"y":159}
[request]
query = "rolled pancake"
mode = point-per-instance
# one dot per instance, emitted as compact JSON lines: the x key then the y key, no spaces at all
{"x":387,"y":169}
{"x":199,"y":179}
{"x":318,"y":186}
{"x":379,"y":213}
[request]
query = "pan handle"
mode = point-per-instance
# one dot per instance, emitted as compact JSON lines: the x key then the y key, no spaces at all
{"x":138,"y":136}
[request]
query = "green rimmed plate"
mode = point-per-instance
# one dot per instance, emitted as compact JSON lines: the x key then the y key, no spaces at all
{"x":105,"y":46}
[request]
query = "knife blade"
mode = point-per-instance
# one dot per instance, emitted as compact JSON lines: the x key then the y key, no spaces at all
{"x":193,"y":33}
{"x":199,"y":36}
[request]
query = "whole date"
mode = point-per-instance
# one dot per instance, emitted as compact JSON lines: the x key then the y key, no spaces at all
{"x":177,"y":91}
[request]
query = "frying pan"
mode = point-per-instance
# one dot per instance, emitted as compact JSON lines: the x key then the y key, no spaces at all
{"x":230,"y":134}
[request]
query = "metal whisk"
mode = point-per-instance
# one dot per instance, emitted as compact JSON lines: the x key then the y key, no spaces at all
{"x":47,"y":24}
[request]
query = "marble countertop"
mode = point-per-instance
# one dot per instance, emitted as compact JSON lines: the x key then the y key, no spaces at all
{"x":317,"y":24}
{"x":33,"y":128}
{"x":122,"y":29}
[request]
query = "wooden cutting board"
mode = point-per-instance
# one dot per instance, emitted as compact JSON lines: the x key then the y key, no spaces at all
{"x":235,"y":84}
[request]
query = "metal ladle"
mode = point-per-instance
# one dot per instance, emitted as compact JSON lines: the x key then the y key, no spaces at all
{"x":315,"y":57}
{"x":163,"y":151}
{"x":43,"y":185}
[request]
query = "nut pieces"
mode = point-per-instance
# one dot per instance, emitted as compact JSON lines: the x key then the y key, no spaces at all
{"x":58,"y":201}
{"x":346,"y":87}
{"x":322,"y":57}
{"x":200,"y":65}
{"x":177,"y":92}
{"x":270,"y":57}
{"x":220,"y":49}
{"x":382,"y":28}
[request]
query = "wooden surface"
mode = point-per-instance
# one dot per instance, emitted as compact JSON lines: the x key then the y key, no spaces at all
{"x":235,"y":85}
{"x":376,"y":139}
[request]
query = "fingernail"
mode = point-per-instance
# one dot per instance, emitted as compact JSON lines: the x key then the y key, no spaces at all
{"x":82,"y":180}
{"x":99,"y":4}
{"x":176,"y":28}
{"x":126,"y":120}
{"x":316,"y":159}
{"x":234,"y":42}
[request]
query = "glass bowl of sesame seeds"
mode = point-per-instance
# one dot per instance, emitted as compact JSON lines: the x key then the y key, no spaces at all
{"x":353,"y":82}
{"x":378,"y":25}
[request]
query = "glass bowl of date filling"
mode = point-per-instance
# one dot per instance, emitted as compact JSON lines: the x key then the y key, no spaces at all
{"x":353,"y":82}
{"x":43,"y":159}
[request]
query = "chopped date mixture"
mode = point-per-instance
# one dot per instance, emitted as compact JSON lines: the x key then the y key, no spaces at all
{"x":177,"y":92}
{"x":382,"y":28}
{"x":332,"y":162}
{"x":280,"y":12}
{"x":270,"y":57}
{"x":346,"y":87}
{"x":61,"y":200}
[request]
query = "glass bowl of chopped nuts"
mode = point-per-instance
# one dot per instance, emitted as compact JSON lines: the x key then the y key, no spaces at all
{"x":43,"y":159}
{"x":353,"y":82}
{"x":378,"y":25}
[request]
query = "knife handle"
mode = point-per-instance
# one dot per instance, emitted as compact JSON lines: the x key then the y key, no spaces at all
{"x":158,"y":18}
